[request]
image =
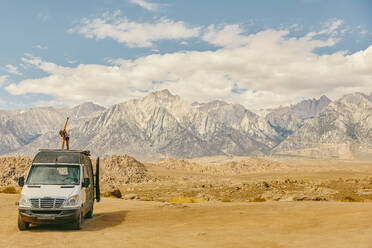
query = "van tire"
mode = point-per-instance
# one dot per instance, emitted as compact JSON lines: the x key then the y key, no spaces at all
{"x":76,"y":225}
{"x":90,"y":213}
{"x":22,"y":225}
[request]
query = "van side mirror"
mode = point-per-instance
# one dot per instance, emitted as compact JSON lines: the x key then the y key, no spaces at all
{"x":21,"y":181}
{"x":86,"y":182}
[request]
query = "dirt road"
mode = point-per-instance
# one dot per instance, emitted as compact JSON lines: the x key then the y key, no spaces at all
{"x":119,"y":223}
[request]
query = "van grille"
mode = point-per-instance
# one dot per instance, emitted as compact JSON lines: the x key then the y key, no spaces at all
{"x":46,"y":202}
{"x":46,"y":211}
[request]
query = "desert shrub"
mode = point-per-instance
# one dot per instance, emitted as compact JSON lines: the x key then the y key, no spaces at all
{"x":183,"y":199}
{"x":113,"y":193}
{"x":9,"y":190}
{"x":351,"y":199}
{"x":319,"y":198}
{"x":147,"y":199}
{"x":258,"y":199}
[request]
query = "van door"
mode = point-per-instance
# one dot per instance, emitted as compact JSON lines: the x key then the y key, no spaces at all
{"x":88,"y":173}
{"x":86,"y":204}
{"x":91,"y":179}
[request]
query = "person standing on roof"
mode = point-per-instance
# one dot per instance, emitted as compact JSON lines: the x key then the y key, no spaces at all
{"x":65,"y":137}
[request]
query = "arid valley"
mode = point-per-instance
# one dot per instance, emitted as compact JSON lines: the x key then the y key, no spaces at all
{"x":213,"y":202}
{"x":186,"y":124}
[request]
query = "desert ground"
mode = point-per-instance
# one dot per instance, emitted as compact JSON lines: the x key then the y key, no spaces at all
{"x":243,"y":179}
{"x":125,"y":223}
{"x":213,"y":202}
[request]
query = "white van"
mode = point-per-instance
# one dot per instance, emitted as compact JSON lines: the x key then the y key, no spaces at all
{"x":60,"y":188}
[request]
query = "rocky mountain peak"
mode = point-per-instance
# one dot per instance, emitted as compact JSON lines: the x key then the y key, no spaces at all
{"x":162,"y":94}
{"x":211,"y":105}
{"x":286,"y":120}
{"x":311,"y":107}
{"x":83,"y":110}
{"x":356,"y":99}
{"x":162,"y":97}
{"x":165,"y":100}
{"x":88,"y":104}
{"x":341,"y":130}
{"x":324,"y":99}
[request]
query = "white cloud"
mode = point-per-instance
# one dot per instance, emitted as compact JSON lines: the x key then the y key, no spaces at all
{"x":41,"y":47}
{"x":43,"y":16}
{"x":115,"y":61}
{"x":296,"y":27}
{"x":133,"y":34}
{"x":12,"y":70}
{"x":226,"y":36}
{"x":71,"y":61}
{"x":232,"y":35}
{"x":267,"y":68}
{"x":147,"y":5}
{"x":53,"y":103}
{"x":3,"y":79}
{"x":363,"y":32}
{"x":329,"y":28}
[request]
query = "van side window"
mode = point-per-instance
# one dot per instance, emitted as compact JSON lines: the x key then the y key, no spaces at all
{"x":90,"y":169}
{"x":85,"y":172}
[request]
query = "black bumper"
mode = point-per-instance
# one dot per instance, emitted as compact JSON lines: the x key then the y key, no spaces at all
{"x":41,"y":216}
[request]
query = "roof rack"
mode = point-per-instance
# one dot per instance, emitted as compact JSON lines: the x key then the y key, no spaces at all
{"x":85,"y":152}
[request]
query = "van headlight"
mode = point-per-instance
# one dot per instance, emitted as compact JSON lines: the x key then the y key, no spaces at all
{"x":73,"y":201}
{"x":24,"y":202}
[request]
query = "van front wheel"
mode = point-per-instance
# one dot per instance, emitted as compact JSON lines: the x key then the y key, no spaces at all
{"x":22,"y":225}
{"x":76,"y":225}
{"x":90,"y":213}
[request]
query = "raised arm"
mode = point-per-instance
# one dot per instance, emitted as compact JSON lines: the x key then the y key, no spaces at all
{"x":64,"y":128}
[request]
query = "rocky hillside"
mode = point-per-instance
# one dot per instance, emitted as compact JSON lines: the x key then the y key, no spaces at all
{"x":115,"y":170}
{"x":343,"y":129}
{"x":11,"y":168}
{"x":231,"y":168}
{"x":119,"y":170}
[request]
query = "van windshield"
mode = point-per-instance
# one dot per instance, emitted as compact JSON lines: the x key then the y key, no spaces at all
{"x":54,"y":175}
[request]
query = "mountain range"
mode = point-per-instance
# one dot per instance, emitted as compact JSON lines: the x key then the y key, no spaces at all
{"x":162,"y":125}
{"x":342,"y":130}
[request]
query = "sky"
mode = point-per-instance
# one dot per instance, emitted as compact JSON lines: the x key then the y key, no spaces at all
{"x":260,"y":54}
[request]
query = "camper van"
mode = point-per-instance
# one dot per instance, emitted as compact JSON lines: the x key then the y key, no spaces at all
{"x":60,"y":187}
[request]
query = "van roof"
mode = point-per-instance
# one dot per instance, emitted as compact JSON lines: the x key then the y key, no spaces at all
{"x":60,"y":156}
{"x":85,"y":152}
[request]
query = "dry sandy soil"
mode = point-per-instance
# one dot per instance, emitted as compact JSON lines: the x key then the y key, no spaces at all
{"x":242,"y":179}
{"x":245,"y":202}
{"x":121,"y":223}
